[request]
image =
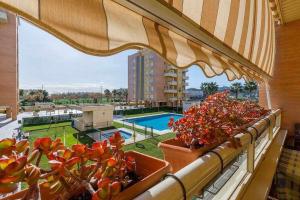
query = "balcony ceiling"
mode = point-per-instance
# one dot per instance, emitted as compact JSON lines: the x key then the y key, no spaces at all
{"x":285,"y":11}
{"x":290,"y":10}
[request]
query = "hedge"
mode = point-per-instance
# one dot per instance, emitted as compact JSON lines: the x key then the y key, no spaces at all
{"x":29,"y":121}
{"x":147,"y":110}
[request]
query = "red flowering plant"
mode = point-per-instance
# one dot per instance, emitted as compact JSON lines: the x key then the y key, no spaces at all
{"x":102,"y":170}
{"x":216,"y":119}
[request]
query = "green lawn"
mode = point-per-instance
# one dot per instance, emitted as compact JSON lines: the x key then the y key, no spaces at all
{"x":150,"y":145}
{"x":69,"y":136}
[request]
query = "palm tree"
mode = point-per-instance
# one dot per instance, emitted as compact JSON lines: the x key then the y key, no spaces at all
{"x":119,"y":94}
{"x":250,"y":87}
{"x":125,"y":95}
{"x":209,"y":88}
{"x":114,"y":94}
{"x":107,"y":94}
{"x":236,"y":88}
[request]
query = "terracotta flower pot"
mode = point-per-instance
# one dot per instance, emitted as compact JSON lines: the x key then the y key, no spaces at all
{"x":150,"y":169}
{"x":45,"y":195}
{"x":180,"y":156}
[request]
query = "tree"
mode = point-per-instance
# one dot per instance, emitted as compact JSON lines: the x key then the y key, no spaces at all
{"x":107,"y":94}
{"x":114,"y":94}
{"x":119,"y":94}
{"x":209,"y":88}
{"x":123,"y":94}
{"x":21,"y":92}
{"x":236,"y":88}
{"x":250,"y":87}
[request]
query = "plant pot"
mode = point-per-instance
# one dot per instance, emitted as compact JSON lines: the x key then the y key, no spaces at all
{"x":45,"y":195}
{"x":150,"y":169}
{"x":180,"y":156}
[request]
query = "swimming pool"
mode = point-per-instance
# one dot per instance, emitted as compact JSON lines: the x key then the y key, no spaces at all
{"x":124,"y":134}
{"x":106,"y":134}
{"x":158,"y":122}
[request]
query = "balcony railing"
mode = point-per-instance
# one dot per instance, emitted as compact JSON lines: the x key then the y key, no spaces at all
{"x":170,"y":74}
{"x":169,"y":67}
{"x":185,"y":77}
{"x":173,"y":99}
{"x":172,"y":82}
{"x":172,"y":91}
{"x":198,"y":178}
{"x":185,"y":83}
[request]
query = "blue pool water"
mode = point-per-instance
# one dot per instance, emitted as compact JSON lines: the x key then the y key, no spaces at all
{"x":158,"y":122}
{"x":124,"y":134}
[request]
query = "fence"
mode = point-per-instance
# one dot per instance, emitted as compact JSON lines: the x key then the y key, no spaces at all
{"x":29,"y":121}
{"x":203,"y":177}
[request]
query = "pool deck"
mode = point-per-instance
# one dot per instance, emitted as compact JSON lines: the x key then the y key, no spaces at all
{"x":121,"y":121}
{"x":139,"y":136}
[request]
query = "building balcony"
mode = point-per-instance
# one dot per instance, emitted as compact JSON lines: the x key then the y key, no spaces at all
{"x":172,"y":82}
{"x":185,"y":83}
{"x":171,"y":67}
{"x":173,"y":99}
{"x":172,"y":91}
{"x":170,"y":74}
{"x":185,"y":77}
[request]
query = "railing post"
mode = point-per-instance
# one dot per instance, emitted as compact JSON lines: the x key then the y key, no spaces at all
{"x":151,"y":131}
{"x":271,"y":129}
{"x":250,"y":157}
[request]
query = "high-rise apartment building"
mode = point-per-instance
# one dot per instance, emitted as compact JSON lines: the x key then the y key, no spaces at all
{"x":154,"y":81}
{"x":9,"y":93}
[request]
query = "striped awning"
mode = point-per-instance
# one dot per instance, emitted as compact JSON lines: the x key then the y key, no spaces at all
{"x":104,"y":27}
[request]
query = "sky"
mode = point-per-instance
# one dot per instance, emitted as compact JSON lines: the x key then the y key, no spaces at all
{"x":45,"y":61}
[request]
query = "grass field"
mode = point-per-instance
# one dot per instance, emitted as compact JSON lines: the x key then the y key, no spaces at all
{"x":150,"y":145}
{"x":70,"y":136}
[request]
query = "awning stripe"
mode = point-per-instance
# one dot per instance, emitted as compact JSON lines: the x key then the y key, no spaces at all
{"x":152,"y":33}
{"x":209,"y":15}
{"x":104,"y":27}
{"x":263,"y":32}
{"x":245,"y":24}
{"x":234,"y":16}
{"x":265,"y":40}
{"x":249,"y":37}
{"x":257,"y":30}
{"x":222,"y":19}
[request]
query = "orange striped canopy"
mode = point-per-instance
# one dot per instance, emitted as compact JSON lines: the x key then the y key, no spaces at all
{"x":104,"y":27}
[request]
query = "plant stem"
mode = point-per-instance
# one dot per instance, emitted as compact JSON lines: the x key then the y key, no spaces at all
{"x":89,"y":187}
{"x":33,"y":193}
{"x":39,"y":159}
{"x":94,"y":171}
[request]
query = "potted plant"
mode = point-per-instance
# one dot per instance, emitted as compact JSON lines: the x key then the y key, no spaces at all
{"x":217,"y":119}
{"x":100,"y":172}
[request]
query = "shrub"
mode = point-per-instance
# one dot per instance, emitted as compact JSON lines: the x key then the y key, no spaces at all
{"x":216,"y":119}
